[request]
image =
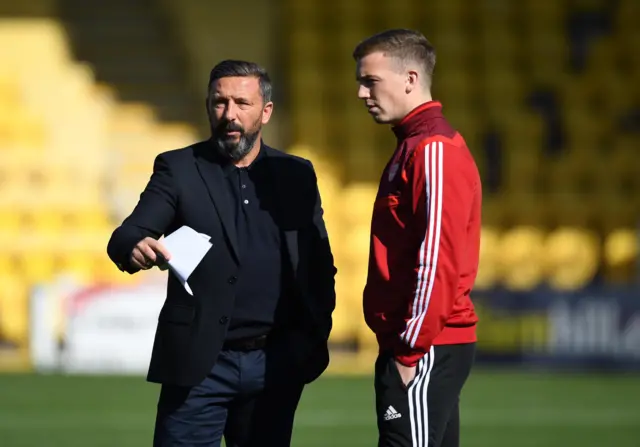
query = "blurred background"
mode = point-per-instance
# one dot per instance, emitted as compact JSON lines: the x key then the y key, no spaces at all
{"x":545,"y":92}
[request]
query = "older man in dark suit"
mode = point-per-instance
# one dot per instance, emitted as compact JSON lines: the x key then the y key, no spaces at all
{"x":234,"y":356}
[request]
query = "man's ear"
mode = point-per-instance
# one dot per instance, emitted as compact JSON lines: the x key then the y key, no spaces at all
{"x":267,"y":111}
{"x":413,"y":78}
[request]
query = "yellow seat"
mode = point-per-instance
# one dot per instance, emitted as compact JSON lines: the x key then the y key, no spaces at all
{"x":494,"y":210}
{"x":10,"y":94}
{"x":522,"y":166}
{"x":7,"y":263}
{"x":617,"y":210}
{"x":451,"y":13}
{"x":489,"y":267}
{"x":78,"y":264}
{"x":10,"y":219}
{"x":621,"y":255}
{"x":572,"y":258}
{"x":568,"y":208}
{"x":103,"y":270}
{"x":547,"y":51}
{"x":14,"y":309}
{"x":585,"y":128}
{"x":458,"y":92}
{"x":522,"y":258}
{"x":452,"y":48}
{"x":525,"y":209}
{"x":48,"y":219}
{"x":623,"y":160}
{"x":89,"y":217}
{"x":348,"y":305}
{"x":580,"y":172}
{"x":522,"y":130}
{"x":36,"y":265}
{"x":503,"y":89}
{"x":542,"y":12}
{"x":357,"y":203}
{"x":626,"y":16}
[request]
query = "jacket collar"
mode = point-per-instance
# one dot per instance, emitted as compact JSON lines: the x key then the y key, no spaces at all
{"x":416,"y":120}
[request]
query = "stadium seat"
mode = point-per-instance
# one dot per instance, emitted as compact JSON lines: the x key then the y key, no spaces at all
{"x":10,"y":220}
{"x":522,"y":131}
{"x":367,"y":343}
{"x":451,"y":14}
{"x":522,"y":167}
{"x":495,"y":210}
{"x":349,"y":305}
{"x":78,"y":264}
{"x":528,"y":209}
{"x":521,"y":258}
{"x":357,"y":203}
{"x":356,"y":240}
{"x":457,"y":92}
{"x":626,"y":16}
{"x":547,"y":53}
{"x":622,"y":161}
{"x":305,"y":48}
{"x":502,"y":89}
{"x":10,"y":94}
{"x":14,"y":310}
{"x":454,"y":52}
{"x":571,"y":258}
{"x":489,"y":268}
{"x":8,"y":265}
{"x":621,"y":255}
{"x":36,"y":265}
{"x":585,"y":129}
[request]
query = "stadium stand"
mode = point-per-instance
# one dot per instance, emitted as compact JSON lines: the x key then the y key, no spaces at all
{"x":73,"y":160}
{"x":544,"y":92}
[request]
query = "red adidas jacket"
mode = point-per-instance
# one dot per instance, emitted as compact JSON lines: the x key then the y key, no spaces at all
{"x":425,"y":240}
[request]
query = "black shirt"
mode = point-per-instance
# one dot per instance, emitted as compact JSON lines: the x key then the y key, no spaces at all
{"x":262,"y":280}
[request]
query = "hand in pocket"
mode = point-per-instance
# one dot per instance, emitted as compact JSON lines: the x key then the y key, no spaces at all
{"x":407,"y":373}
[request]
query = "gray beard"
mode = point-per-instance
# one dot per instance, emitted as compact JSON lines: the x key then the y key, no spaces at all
{"x":235,"y":151}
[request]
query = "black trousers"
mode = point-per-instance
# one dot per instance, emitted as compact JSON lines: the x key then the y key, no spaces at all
{"x":249,"y":397}
{"x":425,"y":413}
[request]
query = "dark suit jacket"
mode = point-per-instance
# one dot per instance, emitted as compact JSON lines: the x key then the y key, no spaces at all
{"x":188,"y":187}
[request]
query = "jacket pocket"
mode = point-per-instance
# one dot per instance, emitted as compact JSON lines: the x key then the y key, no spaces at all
{"x":178,"y":314}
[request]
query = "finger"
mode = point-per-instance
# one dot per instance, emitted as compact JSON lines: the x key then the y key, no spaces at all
{"x":138,"y":265}
{"x":138,"y":261}
{"x":138,"y":257}
{"x":148,"y":253}
{"x":159,"y":248}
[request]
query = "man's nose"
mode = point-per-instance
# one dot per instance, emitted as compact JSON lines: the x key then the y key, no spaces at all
{"x":363,"y":92}
{"x":230,"y":112}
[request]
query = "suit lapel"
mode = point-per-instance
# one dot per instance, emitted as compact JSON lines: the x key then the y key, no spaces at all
{"x":213,"y":177}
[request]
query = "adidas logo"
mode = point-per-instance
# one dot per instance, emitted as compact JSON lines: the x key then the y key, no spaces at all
{"x":391,"y":414}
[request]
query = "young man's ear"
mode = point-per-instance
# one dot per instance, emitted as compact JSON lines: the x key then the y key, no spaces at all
{"x":412,"y":81}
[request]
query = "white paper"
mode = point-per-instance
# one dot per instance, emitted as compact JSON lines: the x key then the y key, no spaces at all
{"x":187,"y":247}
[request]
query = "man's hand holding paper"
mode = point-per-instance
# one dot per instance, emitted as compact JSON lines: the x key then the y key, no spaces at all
{"x":149,"y":253}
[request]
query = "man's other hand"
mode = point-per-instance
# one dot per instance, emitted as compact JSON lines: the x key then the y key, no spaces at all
{"x":149,"y":253}
{"x":407,"y":373}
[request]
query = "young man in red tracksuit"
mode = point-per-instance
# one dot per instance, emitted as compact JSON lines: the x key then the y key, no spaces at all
{"x":425,"y":240}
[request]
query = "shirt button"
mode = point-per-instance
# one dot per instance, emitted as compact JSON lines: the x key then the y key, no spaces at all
{"x":232,"y":279}
{"x":246,"y":201}
{"x":244,"y":186}
{"x":224,"y":320}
